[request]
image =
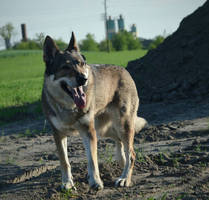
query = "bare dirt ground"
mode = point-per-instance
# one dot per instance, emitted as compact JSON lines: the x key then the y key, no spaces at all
{"x":172,"y":158}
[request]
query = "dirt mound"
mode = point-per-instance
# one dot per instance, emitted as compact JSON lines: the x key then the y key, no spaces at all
{"x":179,"y":67}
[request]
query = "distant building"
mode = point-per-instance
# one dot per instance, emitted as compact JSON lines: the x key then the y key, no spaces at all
{"x":133,"y":30}
{"x":111,"y":27}
{"x":111,"y":30}
{"x":121,"y":26}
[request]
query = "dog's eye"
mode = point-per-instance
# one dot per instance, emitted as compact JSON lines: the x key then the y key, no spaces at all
{"x":76,"y":62}
{"x":82,"y":63}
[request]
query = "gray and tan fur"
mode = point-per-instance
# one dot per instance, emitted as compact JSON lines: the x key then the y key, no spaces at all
{"x":91,"y":101}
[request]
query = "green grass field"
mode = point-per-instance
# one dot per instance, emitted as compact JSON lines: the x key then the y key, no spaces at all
{"x":21,"y":79}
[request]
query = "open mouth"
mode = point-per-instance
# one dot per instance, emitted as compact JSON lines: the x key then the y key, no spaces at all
{"x":77,"y":94}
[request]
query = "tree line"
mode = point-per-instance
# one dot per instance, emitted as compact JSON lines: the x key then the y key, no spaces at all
{"x":122,"y":40}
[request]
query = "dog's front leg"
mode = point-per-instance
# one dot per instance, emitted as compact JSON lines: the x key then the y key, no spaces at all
{"x":67,"y":178}
{"x":90,"y":143}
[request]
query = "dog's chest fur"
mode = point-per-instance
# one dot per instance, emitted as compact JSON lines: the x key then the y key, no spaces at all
{"x":62,"y":119}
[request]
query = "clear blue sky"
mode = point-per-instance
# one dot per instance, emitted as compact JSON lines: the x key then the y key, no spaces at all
{"x":59,"y":18}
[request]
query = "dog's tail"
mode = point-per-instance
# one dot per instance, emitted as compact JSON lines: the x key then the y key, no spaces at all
{"x":140,"y":123}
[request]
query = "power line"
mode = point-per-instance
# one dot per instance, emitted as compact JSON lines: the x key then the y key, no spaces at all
{"x":106,"y":28}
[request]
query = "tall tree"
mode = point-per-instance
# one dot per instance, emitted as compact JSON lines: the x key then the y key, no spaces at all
{"x":124,"y":40}
{"x":6,"y":33}
{"x":89,"y":44}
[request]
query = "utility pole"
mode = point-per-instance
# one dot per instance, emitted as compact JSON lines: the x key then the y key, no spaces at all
{"x":106,"y":26}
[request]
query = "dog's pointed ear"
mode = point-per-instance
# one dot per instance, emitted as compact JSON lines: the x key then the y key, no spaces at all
{"x":50,"y":49}
{"x":73,"y":44}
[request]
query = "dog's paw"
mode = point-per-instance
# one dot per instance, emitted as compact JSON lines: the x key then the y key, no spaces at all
{"x":96,"y":185}
{"x":122,"y":182}
{"x":68,"y":186}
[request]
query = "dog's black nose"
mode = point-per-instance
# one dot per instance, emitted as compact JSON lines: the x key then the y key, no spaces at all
{"x":81,"y":79}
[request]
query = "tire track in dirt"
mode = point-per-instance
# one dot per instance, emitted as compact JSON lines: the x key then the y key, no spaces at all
{"x":31,"y":174}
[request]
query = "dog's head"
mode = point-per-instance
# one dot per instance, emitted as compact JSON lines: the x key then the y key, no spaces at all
{"x":66,"y":71}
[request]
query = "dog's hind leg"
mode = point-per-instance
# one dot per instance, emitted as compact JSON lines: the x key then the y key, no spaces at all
{"x":120,"y":154}
{"x":127,"y":139}
{"x":90,"y":143}
{"x":67,"y":178}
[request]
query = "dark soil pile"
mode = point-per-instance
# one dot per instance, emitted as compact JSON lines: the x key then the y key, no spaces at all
{"x":179,"y":67}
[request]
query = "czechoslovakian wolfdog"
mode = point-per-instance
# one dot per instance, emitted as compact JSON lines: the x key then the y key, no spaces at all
{"x":92,"y":100}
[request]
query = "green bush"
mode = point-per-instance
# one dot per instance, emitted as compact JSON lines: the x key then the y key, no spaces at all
{"x":37,"y":44}
{"x":119,"y":42}
{"x":103,"y":45}
{"x":61,"y":44}
{"x":89,"y":44}
{"x":30,"y":44}
{"x":125,"y":41}
{"x":157,"y":40}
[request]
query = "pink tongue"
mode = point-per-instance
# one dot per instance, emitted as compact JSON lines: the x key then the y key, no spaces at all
{"x":79,"y":97}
